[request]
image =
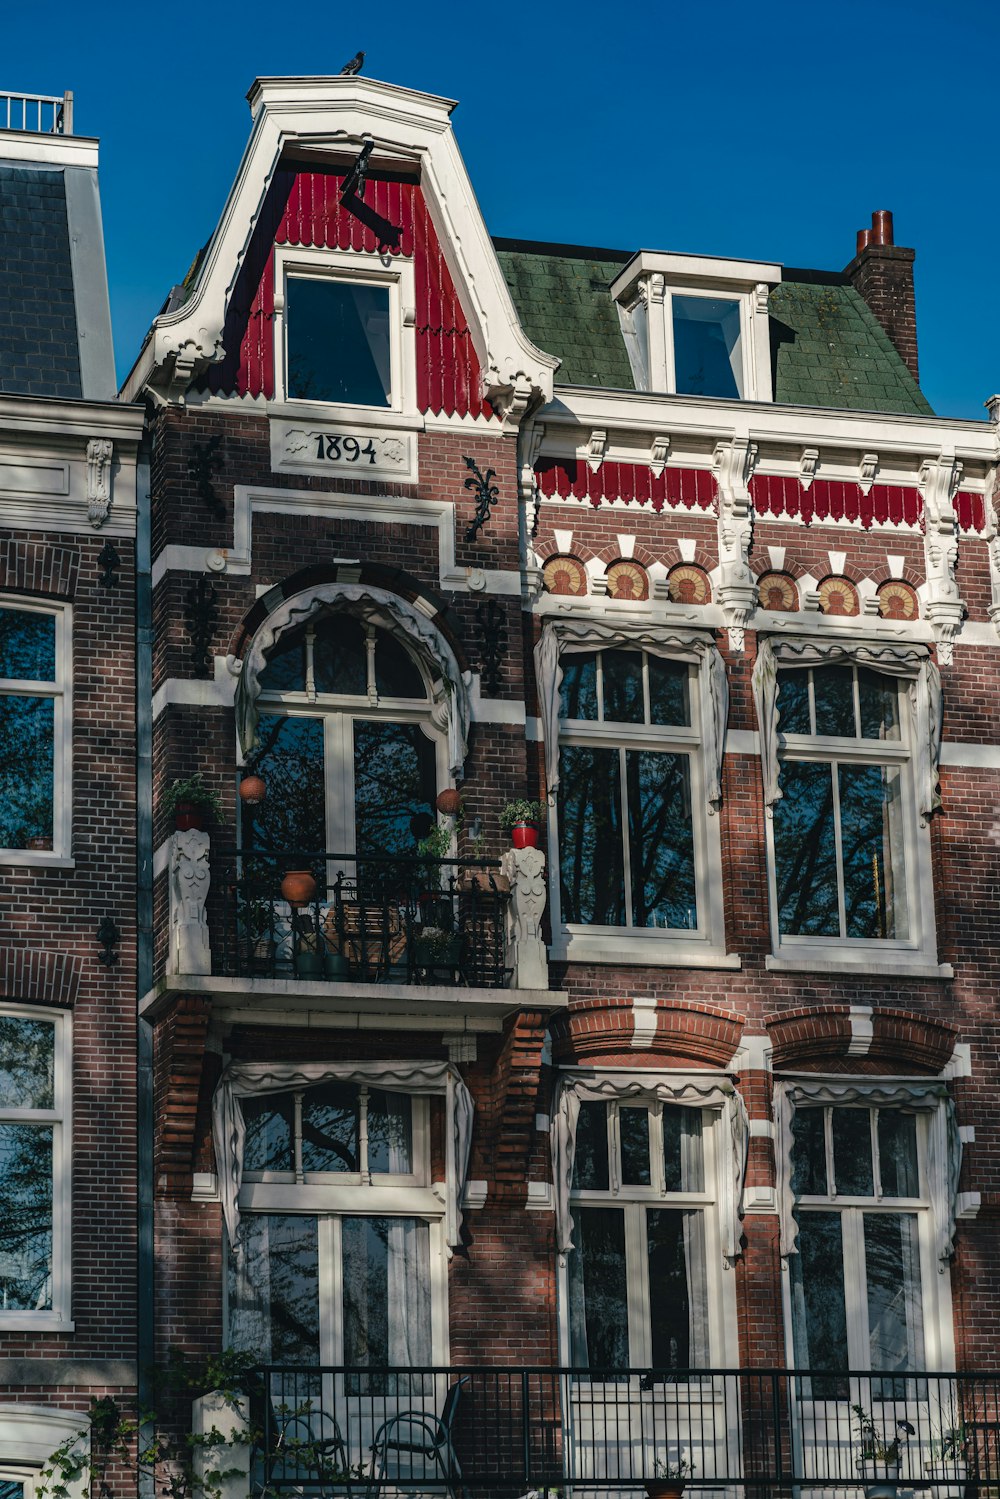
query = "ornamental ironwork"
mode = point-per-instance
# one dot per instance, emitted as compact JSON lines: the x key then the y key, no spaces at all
{"x":109,"y":936}
{"x":202,"y":466}
{"x":491,"y":624}
{"x":201,"y":616}
{"x":109,"y":562}
{"x":486,"y":492}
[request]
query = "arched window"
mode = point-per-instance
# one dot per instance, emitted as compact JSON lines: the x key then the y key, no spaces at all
{"x":345,"y":741}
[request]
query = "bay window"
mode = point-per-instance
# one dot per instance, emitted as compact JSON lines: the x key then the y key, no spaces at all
{"x":34,"y":1168}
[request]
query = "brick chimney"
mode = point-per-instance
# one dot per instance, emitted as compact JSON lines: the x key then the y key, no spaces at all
{"x":883,"y":274}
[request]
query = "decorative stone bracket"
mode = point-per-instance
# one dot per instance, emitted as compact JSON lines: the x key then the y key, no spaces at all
{"x":99,"y":451}
{"x":525,"y":868}
{"x":736,"y":589}
{"x":190,"y":950}
{"x":943,"y":605}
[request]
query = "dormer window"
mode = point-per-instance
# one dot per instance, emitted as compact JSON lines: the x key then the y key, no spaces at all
{"x":697,"y":327}
{"x":344,"y":331}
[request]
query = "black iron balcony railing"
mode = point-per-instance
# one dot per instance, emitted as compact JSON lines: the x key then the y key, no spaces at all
{"x":511,"y":1430}
{"x":371,"y":919}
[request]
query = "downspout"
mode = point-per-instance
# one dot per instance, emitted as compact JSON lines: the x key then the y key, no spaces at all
{"x":144,"y":940}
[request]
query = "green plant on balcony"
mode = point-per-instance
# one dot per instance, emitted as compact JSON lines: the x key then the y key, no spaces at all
{"x":190,"y":802}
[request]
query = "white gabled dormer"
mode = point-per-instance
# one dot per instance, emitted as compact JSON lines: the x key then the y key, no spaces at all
{"x":697,"y":325}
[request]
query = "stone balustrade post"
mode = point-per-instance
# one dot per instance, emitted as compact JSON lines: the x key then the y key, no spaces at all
{"x":526,"y":954}
{"x":190,"y":950}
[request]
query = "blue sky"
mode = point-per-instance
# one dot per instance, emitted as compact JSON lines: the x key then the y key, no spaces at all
{"x":765,"y":132}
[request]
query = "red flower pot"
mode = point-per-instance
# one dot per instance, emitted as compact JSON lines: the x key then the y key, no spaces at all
{"x":449,"y":802}
{"x":524,"y":835}
{"x":298,"y":887}
{"x":188,"y":815}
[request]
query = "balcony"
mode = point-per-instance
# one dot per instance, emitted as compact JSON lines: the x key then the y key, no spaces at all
{"x":43,"y":114}
{"x":512,"y":1430}
{"x":297,"y":918}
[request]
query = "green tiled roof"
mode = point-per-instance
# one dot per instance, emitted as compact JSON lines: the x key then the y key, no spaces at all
{"x":828,"y":348}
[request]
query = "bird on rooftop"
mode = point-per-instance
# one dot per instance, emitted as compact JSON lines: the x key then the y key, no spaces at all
{"x":355,"y":65}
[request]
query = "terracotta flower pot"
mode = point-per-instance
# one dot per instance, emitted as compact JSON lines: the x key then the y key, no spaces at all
{"x":253,"y":790}
{"x":449,"y":802}
{"x":189,"y":815}
{"x":298,"y":887}
{"x":665,"y":1488}
{"x":524,"y":835}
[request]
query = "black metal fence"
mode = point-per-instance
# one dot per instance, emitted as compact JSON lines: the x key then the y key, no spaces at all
{"x":376,"y":919}
{"x":508,"y":1431}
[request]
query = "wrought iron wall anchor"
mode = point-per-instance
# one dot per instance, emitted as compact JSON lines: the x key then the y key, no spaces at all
{"x":491,"y":623}
{"x":205,"y":460}
{"x":487,"y":493}
{"x":109,"y":560}
{"x":109,"y":937}
{"x":201,"y":616}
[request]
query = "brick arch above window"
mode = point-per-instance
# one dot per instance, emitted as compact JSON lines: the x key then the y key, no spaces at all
{"x":38,"y":567}
{"x":839,"y":1039}
{"x":31,"y":976}
{"x":685,"y":1033}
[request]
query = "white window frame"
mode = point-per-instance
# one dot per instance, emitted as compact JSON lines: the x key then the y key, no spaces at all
{"x":339,"y":712}
{"x":331,"y":1197}
{"x":61,"y":692}
{"x":644,"y":292}
{"x":919,"y":949}
{"x":703,"y":944}
{"x":60,"y":1117}
{"x":398,"y":276}
{"x":29,"y":1434}
{"x":634,"y":1200}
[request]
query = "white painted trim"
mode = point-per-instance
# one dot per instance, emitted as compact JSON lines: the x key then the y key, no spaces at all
{"x":967,"y":1205}
{"x":762,"y":1129}
{"x":45,"y":149}
{"x":654,"y":951}
{"x":760,"y":1199}
{"x":862,"y":1031}
{"x":540,"y":1198}
{"x":475,"y":1195}
{"x":893,"y":965}
{"x":644,"y":1011}
{"x":31,"y":1433}
{"x":967,"y":1134}
{"x":959,"y":1064}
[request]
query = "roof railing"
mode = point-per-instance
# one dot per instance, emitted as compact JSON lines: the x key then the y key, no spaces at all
{"x":45,"y":114}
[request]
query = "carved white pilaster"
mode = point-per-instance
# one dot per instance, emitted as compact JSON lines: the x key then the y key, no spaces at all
{"x":658,"y":450}
{"x":736,"y":590}
{"x":525,"y":869}
{"x":596,"y":448}
{"x":943,"y":605}
{"x":993,"y":546}
{"x":190,"y":951}
{"x":867,"y":469}
{"x":99,"y":450}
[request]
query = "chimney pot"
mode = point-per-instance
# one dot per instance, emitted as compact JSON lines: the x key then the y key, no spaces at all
{"x":882,"y":227}
{"x":864,"y":239}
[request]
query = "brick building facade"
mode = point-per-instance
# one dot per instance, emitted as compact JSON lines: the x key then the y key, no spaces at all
{"x":68,"y":463}
{"x":674,"y":546}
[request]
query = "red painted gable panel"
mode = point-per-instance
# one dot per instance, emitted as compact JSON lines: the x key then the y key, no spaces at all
{"x":836,"y":500}
{"x":632,"y":482}
{"x":304,"y":208}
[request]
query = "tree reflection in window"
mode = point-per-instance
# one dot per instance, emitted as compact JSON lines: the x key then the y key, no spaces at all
{"x":838,"y":827}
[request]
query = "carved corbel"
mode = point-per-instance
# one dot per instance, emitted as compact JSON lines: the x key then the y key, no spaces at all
{"x":943,"y":607}
{"x":530,"y":445}
{"x":99,"y":450}
{"x":526,"y":954}
{"x":807,"y":466}
{"x":190,"y":951}
{"x":658,"y":450}
{"x":867,"y":469}
{"x":596,"y":448}
{"x":736,"y":589}
{"x":992,"y":534}
{"x":761,"y":292}
{"x":512,"y":397}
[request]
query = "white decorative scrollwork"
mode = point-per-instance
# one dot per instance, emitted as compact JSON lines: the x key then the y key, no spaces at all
{"x":943,"y":604}
{"x":736,"y":589}
{"x":99,"y":450}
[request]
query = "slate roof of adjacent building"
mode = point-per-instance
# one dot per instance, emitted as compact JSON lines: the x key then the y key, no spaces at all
{"x":39,"y":337}
{"x":828,"y":348}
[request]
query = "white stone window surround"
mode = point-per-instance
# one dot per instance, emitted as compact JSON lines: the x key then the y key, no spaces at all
{"x":940,"y":1159}
{"x":419,"y":1079}
{"x":644,"y":292}
{"x":29,"y":1434}
{"x":60,"y":690}
{"x":655,"y":946}
{"x":58,"y":1317}
{"x":393,"y":272}
{"x":918,"y":755}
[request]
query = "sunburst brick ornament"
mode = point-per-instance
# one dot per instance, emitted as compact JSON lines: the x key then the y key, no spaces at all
{"x":837,"y":596}
{"x":897,"y":601}
{"x":627,"y":580}
{"x":565,"y":575}
{"x":689,"y":585}
{"x":777,"y":591}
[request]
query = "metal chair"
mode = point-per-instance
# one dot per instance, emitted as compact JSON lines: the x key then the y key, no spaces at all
{"x":288,"y":1451}
{"x":419,"y":1434}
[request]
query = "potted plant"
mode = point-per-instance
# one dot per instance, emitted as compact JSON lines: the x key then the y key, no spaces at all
{"x":878,"y":1458}
{"x":523,"y":818}
{"x":308,"y":956}
{"x":256,"y":920}
{"x":437,"y":948}
{"x":670,"y":1478}
{"x":947,"y":1460}
{"x":191,"y":803}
